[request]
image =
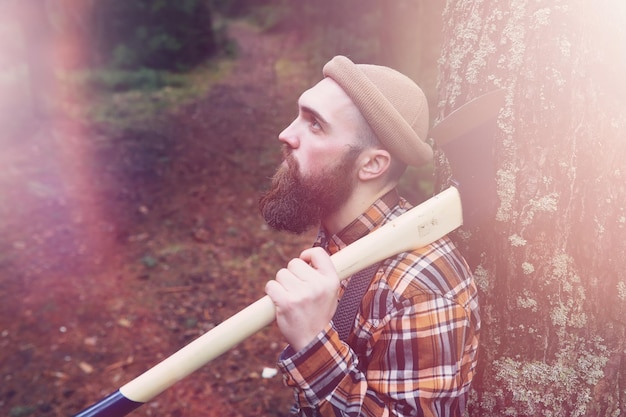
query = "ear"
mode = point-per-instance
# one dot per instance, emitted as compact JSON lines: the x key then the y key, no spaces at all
{"x":374,"y":163}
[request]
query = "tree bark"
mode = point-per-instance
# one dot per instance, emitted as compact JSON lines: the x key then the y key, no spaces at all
{"x":550,"y":265}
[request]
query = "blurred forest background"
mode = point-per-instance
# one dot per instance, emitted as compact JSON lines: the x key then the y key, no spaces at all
{"x":63,"y":48}
{"x":136,"y":138}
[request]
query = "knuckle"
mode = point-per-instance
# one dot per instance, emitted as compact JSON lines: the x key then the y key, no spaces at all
{"x":293,"y":263}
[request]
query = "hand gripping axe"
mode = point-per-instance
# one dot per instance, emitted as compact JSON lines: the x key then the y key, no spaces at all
{"x":464,"y":136}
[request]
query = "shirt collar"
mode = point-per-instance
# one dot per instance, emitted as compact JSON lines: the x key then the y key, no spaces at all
{"x":368,"y":221}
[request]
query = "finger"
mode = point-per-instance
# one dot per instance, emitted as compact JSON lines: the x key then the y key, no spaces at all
{"x":292,"y":280}
{"x":301,"y":272}
{"x":319,"y":259}
{"x":276,"y":292}
{"x":299,"y":268}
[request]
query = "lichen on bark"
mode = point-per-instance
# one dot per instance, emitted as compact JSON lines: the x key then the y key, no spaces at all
{"x":550,"y":266}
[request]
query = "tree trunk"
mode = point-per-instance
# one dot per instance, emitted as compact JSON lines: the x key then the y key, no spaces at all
{"x":551,"y":264}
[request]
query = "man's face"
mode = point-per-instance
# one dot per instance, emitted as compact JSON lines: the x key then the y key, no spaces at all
{"x":295,"y":203}
{"x":321,"y":152}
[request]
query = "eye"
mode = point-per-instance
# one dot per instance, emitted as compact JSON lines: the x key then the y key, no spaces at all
{"x":315,"y":125}
{"x":314,"y":121}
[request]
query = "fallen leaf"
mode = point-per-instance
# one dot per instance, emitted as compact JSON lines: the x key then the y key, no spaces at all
{"x":91,"y":341}
{"x":85,"y":367}
{"x":269,"y":373}
{"x":124,"y":322}
{"x":129,"y":360}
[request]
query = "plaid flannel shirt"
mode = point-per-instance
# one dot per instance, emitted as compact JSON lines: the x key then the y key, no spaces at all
{"x":412,"y":351}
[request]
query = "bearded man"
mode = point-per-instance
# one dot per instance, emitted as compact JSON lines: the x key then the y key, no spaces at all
{"x":410,"y":344}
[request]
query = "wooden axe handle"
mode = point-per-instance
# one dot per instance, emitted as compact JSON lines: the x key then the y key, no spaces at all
{"x":416,"y":228}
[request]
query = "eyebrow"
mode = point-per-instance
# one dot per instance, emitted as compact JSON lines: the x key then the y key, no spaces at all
{"x":319,"y":117}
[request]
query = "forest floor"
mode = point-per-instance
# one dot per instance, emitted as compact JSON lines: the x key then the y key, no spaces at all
{"x":119,"y":247}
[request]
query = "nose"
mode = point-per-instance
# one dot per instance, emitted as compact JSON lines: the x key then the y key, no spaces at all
{"x":289,"y":136}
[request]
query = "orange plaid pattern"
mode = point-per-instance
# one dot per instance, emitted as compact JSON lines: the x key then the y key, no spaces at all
{"x":412,"y":351}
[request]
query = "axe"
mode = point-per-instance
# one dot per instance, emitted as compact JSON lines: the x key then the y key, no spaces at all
{"x":464,"y":136}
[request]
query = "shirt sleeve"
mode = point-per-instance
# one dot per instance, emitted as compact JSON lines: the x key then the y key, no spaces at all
{"x":414,"y":365}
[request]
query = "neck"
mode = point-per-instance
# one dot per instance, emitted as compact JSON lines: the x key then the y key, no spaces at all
{"x":360,"y":200}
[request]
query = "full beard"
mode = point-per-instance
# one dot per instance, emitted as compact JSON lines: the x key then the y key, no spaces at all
{"x":295,"y":203}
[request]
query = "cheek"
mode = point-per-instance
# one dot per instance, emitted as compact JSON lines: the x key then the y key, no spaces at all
{"x":317,"y":159}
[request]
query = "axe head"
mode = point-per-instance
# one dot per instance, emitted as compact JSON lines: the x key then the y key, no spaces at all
{"x":466,"y":137}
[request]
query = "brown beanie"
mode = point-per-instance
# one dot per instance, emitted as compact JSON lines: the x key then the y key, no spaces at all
{"x":393,"y":105}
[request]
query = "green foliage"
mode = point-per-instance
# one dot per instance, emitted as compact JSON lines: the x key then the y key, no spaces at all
{"x":157,"y":34}
{"x":241,"y":8}
{"x":124,"y":99}
{"x":124,"y":80}
{"x":22,"y":411}
{"x":269,"y":16}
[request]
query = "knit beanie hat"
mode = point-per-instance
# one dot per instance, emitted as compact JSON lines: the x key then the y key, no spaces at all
{"x":392,"y":104}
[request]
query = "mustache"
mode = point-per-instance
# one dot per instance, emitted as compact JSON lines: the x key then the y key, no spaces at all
{"x":287,"y":172}
{"x":287,"y":153}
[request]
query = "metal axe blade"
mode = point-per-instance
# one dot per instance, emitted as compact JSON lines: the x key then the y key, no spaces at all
{"x":466,"y":137}
{"x":467,"y":117}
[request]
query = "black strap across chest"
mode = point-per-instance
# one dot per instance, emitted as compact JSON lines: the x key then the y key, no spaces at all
{"x":343,"y":319}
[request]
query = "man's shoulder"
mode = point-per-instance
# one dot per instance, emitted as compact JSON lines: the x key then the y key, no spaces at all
{"x":436,"y":269}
